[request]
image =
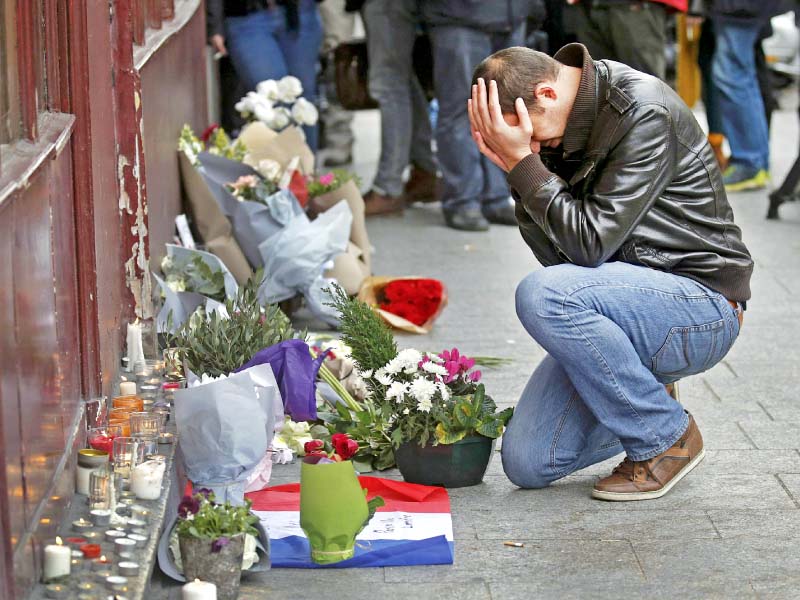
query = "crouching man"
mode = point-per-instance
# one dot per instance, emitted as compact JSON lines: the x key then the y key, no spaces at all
{"x":619,"y":196}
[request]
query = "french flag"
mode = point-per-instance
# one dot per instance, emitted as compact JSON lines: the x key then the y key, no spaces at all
{"x":413,"y":528}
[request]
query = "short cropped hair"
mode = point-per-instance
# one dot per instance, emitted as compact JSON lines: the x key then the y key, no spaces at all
{"x":517,"y":71}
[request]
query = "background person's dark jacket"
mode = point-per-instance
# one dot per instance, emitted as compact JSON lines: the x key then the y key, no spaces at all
{"x":645,"y":189}
{"x":486,"y":15}
{"x":740,"y":10}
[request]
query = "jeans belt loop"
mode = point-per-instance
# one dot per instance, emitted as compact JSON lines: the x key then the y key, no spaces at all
{"x":738,"y":309}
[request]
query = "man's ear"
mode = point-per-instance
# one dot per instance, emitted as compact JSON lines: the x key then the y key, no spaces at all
{"x":545,"y":92}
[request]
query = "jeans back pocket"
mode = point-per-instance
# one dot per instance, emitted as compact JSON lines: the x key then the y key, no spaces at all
{"x":690,"y":350}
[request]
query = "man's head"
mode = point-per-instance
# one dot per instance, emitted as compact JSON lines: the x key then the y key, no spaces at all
{"x":547,"y":87}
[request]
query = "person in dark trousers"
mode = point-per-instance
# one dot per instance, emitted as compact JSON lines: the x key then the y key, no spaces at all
{"x":619,"y":196}
{"x":633,"y":32}
{"x":475,"y":193}
{"x":269,"y":39}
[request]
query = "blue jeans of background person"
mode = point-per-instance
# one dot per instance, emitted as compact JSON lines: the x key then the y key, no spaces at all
{"x":469,"y":178}
{"x":739,"y":97}
{"x":405,"y":127}
{"x":262,"y":47}
{"x":614,"y":335}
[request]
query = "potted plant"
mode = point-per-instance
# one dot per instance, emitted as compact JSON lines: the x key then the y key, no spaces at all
{"x":441,"y":423}
{"x":212,"y":540}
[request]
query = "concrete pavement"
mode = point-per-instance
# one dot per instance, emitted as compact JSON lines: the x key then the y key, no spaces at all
{"x":730,"y":529}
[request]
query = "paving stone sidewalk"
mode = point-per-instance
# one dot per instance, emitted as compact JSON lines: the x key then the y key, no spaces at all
{"x":729,"y":530}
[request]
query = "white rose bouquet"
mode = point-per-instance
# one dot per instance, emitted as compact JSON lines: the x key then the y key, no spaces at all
{"x":278,"y":104}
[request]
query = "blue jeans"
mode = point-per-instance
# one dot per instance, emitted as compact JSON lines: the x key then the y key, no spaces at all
{"x":405,"y":127}
{"x":470,"y":179}
{"x":736,"y":85}
{"x":262,"y":47}
{"x":614,"y":335}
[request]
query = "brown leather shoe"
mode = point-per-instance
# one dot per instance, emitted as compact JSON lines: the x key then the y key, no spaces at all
{"x":421,"y":186}
{"x":650,"y":479}
{"x":378,"y":204}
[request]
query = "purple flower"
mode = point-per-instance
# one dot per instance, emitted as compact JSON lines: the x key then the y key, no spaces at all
{"x":188,"y":506}
{"x":205,"y":492}
{"x":219,"y":543}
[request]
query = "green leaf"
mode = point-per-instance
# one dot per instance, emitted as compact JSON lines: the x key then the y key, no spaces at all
{"x":444,"y":436}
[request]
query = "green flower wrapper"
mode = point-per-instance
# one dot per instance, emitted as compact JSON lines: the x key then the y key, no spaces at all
{"x":333,"y":509}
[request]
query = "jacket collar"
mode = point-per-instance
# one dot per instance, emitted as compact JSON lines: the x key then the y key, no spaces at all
{"x":584,"y":111}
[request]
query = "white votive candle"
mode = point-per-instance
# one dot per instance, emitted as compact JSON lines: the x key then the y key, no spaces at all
{"x":199,"y":590}
{"x":146,"y":479}
{"x":57,"y":560}
{"x":127,"y":388}
{"x":134,"y":343}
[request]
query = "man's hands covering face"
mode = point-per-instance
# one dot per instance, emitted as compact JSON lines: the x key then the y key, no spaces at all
{"x":503,"y":144}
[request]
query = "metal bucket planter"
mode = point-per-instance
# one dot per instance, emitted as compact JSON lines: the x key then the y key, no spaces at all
{"x":448,"y":465}
{"x":223,"y":568}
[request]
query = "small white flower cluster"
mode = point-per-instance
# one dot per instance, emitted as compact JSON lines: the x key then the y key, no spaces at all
{"x":278,"y":104}
{"x":422,"y":388}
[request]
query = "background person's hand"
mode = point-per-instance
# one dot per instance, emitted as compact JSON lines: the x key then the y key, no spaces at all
{"x":218,"y":43}
{"x":503,"y":144}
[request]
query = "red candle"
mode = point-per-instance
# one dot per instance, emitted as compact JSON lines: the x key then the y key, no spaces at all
{"x":102,"y":442}
{"x":90,"y":550}
{"x":77,"y":542}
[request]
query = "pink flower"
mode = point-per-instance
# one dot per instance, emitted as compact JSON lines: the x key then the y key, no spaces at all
{"x":475,"y":376}
{"x":327,"y":179}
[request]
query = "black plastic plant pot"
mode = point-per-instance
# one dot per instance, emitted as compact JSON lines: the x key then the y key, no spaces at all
{"x":448,"y":465}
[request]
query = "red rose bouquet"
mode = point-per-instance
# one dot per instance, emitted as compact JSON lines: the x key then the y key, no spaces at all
{"x":407,"y":303}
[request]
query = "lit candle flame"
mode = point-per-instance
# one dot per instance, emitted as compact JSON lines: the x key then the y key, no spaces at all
{"x":58,"y":541}
{"x":103,"y":558}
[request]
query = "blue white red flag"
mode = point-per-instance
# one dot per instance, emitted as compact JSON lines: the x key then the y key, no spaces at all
{"x":413,"y":528}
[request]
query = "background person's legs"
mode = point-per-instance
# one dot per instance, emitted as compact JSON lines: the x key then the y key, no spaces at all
{"x":638,"y":31}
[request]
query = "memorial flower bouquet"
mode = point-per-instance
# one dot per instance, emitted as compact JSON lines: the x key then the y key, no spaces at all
{"x":278,"y":104}
{"x":415,"y":398}
{"x":253,"y":189}
{"x":330,"y":182}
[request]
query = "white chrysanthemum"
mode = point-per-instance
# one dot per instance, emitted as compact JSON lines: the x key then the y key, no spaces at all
{"x":304,"y":112}
{"x":422,"y":389}
{"x":245,"y":106}
{"x":382,"y":377}
{"x":443,"y":391}
{"x":365,"y":374}
{"x":289,"y":88}
{"x":435,"y":358}
{"x":270,"y":169}
{"x":431,"y":367}
{"x":424,"y":405}
{"x":397,"y":391}
{"x":406,"y":411}
{"x":409,"y":360}
{"x":393,"y":367}
{"x":269,"y":89}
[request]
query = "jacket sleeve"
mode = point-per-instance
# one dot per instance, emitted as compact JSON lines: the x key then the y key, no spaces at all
{"x":588,"y":230}
{"x":536,"y":240}
{"x":215,"y":17}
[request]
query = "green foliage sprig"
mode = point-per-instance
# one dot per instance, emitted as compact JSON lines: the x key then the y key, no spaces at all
{"x":215,"y":345}
{"x":193,"y":275}
{"x":220,"y":143}
{"x":201,"y":517}
{"x":370,"y":340}
{"x":467,"y":415}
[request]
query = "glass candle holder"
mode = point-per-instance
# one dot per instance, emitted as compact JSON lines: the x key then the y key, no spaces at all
{"x":128,"y":452}
{"x":96,"y":410}
{"x":100,"y":488}
{"x":129,"y":403}
{"x":145,"y":423}
{"x":102,"y":438}
{"x":148,"y":443}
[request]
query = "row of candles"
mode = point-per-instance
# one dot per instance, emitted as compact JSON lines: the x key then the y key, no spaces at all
{"x":121,"y":467}
{"x":100,"y":555}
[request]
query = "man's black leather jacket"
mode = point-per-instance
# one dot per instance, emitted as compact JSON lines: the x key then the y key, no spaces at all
{"x":646,"y":191}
